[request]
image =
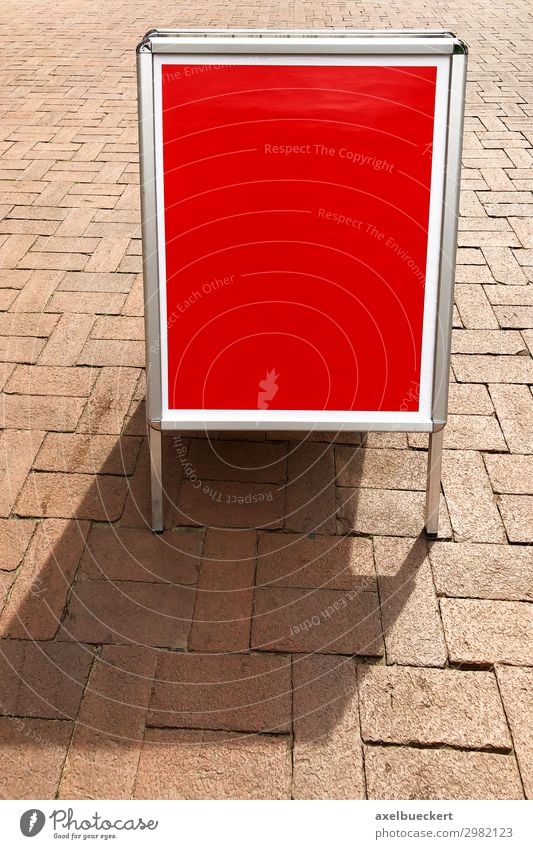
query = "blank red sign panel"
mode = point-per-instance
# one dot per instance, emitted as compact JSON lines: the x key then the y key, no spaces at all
{"x":296,"y":206}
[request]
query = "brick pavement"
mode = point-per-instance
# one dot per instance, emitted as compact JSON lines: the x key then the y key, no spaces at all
{"x":181,"y":665}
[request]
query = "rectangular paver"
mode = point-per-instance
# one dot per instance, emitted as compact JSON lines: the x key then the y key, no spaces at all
{"x":486,"y":632}
{"x":178,"y":764}
{"x":239,"y":692}
{"x":398,"y":772}
{"x":432,"y":706}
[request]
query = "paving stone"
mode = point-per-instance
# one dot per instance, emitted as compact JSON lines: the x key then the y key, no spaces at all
{"x":17,"y":451}
{"x":484,"y":632}
{"x":343,"y":437}
{"x":524,"y":256}
{"x":224,"y":460}
{"x":469,"y":497}
{"x":75,"y":222}
{"x":67,"y":340}
{"x":469,"y":399}
{"x":20,"y":349}
{"x":101,"y":228}
{"x":466,"y":570}
{"x":14,"y":278}
{"x":301,"y":620}
{"x":492,"y":237}
{"x":297,"y":560}
{"x":239,"y":692}
{"x":13,"y":249}
{"x":108,"y":254}
{"x":39,"y":593}
{"x":503,"y":265}
{"x":384,"y":440}
{"x":476,"y":432}
{"x":27,"y":324}
{"x":15,"y":536}
{"x":327,"y":755}
{"x":118,"y":327}
{"x":5,"y":371}
{"x":470,"y":205}
{"x":31,"y":756}
{"x":148,"y":614}
{"x":385,"y":512}
{"x":134,"y":303}
{"x":177,"y":764}
{"x":497,"y":179}
{"x":37,"y":413}
{"x":508,"y":209}
{"x":99,"y":497}
{"x":109,"y":401}
{"x":310,"y":501}
{"x":231,"y":505}
{"x":425,"y":707}
{"x":411,"y":620}
{"x":104,"y":754}
{"x":94,"y":281}
{"x":43,"y":679}
{"x":137,"y":554}
{"x":474,"y":307}
{"x":380,"y":468}
{"x":6,"y":581}
{"x":524,"y":230}
{"x":238,"y":435}
{"x":223,"y":609}
{"x":398,"y":772}
{"x":486,"y":342}
{"x":517,"y":515}
{"x":514,"y":408}
{"x":518,"y":317}
{"x":90,"y":453}
{"x":492,"y":369}
{"x":510,"y":295}
{"x":7,"y":298}
{"x":511,"y":473}
{"x":50,"y":380}
{"x":53,"y":261}
{"x":111,"y":352}
{"x":86,"y":302}
{"x":516,"y":688}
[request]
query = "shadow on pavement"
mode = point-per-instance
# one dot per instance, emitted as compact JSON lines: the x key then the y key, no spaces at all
{"x":242,"y":627}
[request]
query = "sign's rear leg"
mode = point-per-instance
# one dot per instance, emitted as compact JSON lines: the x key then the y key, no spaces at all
{"x":433,"y":482}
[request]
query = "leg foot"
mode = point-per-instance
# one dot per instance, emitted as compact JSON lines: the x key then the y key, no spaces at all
{"x":433,"y":482}
{"x":156,"y":479}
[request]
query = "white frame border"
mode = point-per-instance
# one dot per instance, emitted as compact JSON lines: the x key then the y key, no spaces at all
{"x":421,"y":420}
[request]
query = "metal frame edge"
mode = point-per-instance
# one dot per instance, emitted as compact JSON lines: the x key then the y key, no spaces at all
{"x":452,"y":180}
{"x":458,"y":64}
{"x":149,"y":229}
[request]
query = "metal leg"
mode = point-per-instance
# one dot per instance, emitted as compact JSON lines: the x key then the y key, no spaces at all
{"x":433,"y":482}
{"x":156,"y":480}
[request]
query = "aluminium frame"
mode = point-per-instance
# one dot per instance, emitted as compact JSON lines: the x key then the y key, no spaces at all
{"x":303,"y":42}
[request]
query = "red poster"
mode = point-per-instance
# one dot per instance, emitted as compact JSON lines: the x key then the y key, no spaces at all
{"x":296,"y":215}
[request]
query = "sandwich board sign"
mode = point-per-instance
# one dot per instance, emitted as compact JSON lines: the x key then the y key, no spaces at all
{"x":299,"y":217}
